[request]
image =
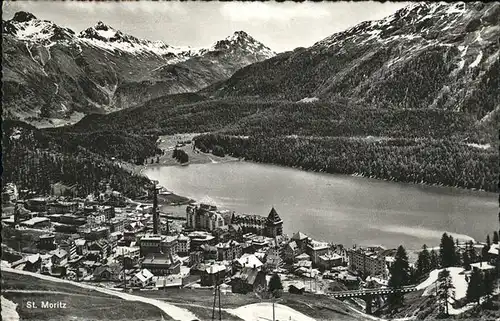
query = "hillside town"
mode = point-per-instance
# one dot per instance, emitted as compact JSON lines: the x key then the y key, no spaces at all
{"x":128,"y":245}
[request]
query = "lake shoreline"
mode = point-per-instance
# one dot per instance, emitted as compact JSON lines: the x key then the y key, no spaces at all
{"x":394,"y":220}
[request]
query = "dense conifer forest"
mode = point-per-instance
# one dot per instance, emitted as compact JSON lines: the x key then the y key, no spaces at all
{"x":34,"y":160}
{"x":424,"y":160}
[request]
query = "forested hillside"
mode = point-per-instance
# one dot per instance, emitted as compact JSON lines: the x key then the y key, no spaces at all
{"x":34,"y":160}
{"x":426,"y":55}
{"x":426,"y":160}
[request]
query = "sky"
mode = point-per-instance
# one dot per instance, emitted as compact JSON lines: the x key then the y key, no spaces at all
{"x":280,"y":26}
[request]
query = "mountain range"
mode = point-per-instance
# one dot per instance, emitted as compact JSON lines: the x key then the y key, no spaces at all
{"x":426,"y":59}
{"x":52,"y":72}
{"x":413,"y":97}
{"x":427,"y":55}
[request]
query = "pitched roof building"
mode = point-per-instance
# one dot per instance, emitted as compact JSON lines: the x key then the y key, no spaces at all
{"x":274,"y":224}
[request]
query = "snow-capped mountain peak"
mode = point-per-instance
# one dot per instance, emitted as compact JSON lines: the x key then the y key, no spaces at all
{"x":23,"y":16}
{"x":242,"y":40}
{"x":26,"y":26}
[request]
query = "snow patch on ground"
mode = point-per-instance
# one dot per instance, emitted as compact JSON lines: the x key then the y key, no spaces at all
{"x":458,"y":7}
{"x":480,"y":146}
{"x":476,"y":62}
{"x":9,"y":312}
{"x":264,"y":312}
{"x":308,"y":100}
{"x":458,"y":281}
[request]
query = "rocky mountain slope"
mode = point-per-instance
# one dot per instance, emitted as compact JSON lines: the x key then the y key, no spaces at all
{"x":49,"y":71}
{"x":427,"y":55}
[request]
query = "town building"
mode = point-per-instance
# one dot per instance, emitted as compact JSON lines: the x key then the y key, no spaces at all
{"x":100,"y":248}
{"x":290,"y":251}
{"x":10,"y":193}
{"x":209,"y":252}
{"x":195,"y":258}
{"x":142,"y":279}
{"x":247,"y":260}
{"x":367,"y":262}
{"x":316,"y":249}
{"x":329,"y":260}
{"x":248,"y":280}
{"x":70,"y":247}
{"x":72,"y":219}
{"x":199,"y":238}
{"x":81,"y":247}
{"x":33,"y":263}
{"x":152,"y":243}
{"x":484,"y":267}
{"x":204,"y":217}
{"x":183,"y":244}
{"x":116,"y":225}
{"x":47,"y":242}
{"x":301,"y":240}
{"x":229,"y":251}
{"x":213,"y":274}
{"x":62,"y":207}
{"x":37,"y":223}
{"x":249,"y":223}
{"x":161,"y":264}
{"x":59,"y":257}
{"x":96,"y":219}
{"x":274,"y":224}
{"x":36,"y":204}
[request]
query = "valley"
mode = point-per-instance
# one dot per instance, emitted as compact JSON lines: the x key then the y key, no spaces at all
{"x":140,"y":171}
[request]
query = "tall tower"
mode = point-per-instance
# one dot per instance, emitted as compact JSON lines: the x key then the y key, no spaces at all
{"x":274,"y":224}
{"x":155,"y":208}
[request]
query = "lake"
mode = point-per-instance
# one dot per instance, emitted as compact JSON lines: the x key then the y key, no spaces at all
{"x":337,"y":208}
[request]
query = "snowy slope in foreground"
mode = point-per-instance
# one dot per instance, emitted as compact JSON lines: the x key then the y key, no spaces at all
{"x":458,"y":280}
{"x":264,"y":311}
{"x":9,"y":312}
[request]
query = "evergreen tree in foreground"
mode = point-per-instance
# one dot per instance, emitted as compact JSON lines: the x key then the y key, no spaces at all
{"x":275,"y":284}
{"x":447,"y":251}
{"x":423,"y":262}
{"x":434,"y":260}
{"x":400,"y":276}
{"x":472,"y":252}
{"x":495,"y":237}
{"x":445,"y":285}
{"x":466,"y":260}
{"x":475,"y":287}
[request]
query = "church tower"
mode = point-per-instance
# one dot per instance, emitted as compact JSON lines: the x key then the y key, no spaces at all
{"x":274,"y":224}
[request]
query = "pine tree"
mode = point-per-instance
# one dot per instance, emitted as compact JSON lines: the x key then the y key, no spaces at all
{"x":475,"y":287}
{"x":400,"y":275}
{"x":484,"y":253}
{"x":275,"y":285}
{"x":472,"y":253}
{"x":423,"y":262}
{"x":495,"y":237}
{"x":447,"y":251}
{"x":434,"y":260}
{"x":488,"y":281}
{"x":445,"y":285}
{"x":466,"y":260}
{"x":488,"y":241}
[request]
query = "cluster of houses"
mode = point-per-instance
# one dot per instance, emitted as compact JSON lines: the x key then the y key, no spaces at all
{"x":131,"y":246}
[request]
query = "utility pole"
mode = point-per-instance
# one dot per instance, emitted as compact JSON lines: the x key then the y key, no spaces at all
{"x":124,"y":275}
{"x":216,"y":294}
{"x":155,"y":208}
